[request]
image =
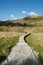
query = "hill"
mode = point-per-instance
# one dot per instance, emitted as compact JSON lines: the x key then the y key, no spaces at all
{"x":29,"y":21}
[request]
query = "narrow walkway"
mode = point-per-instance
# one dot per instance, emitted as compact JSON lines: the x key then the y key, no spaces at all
{"x":22,"y":54}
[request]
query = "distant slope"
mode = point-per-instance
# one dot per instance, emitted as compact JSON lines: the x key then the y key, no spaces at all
{"x":29,"y":21}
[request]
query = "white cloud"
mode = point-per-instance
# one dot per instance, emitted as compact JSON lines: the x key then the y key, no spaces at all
{"x":12,"y":16}
{"x":24,"y":12}
{"x":32,"y":13}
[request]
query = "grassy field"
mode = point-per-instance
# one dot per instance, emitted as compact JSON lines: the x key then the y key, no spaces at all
{"x":19,"y":30}
{"x":35,"y":40}
{"x":5,"y":46}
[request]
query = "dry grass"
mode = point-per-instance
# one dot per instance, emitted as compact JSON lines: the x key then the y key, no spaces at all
{"x":33,"y":29}
{"x":10,"y":34}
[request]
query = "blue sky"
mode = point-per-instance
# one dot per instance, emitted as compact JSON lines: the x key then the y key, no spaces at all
{"x":12,"y":9}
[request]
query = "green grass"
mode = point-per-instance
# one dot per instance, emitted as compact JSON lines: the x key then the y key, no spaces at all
{"x":5,"y":46}
{"x":36,"y":42}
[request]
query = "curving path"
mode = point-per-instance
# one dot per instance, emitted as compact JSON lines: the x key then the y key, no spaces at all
{"x":22,"y":54}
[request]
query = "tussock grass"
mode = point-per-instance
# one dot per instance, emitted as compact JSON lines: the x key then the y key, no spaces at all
{"x":5,"y":46}
{"x":35,"y":40}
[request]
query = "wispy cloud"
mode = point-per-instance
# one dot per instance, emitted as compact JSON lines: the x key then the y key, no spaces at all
{"x":22,"y":17}
{"x":15,"y":18}
{"x":23,"y":12}
{"x":32,"y":13}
